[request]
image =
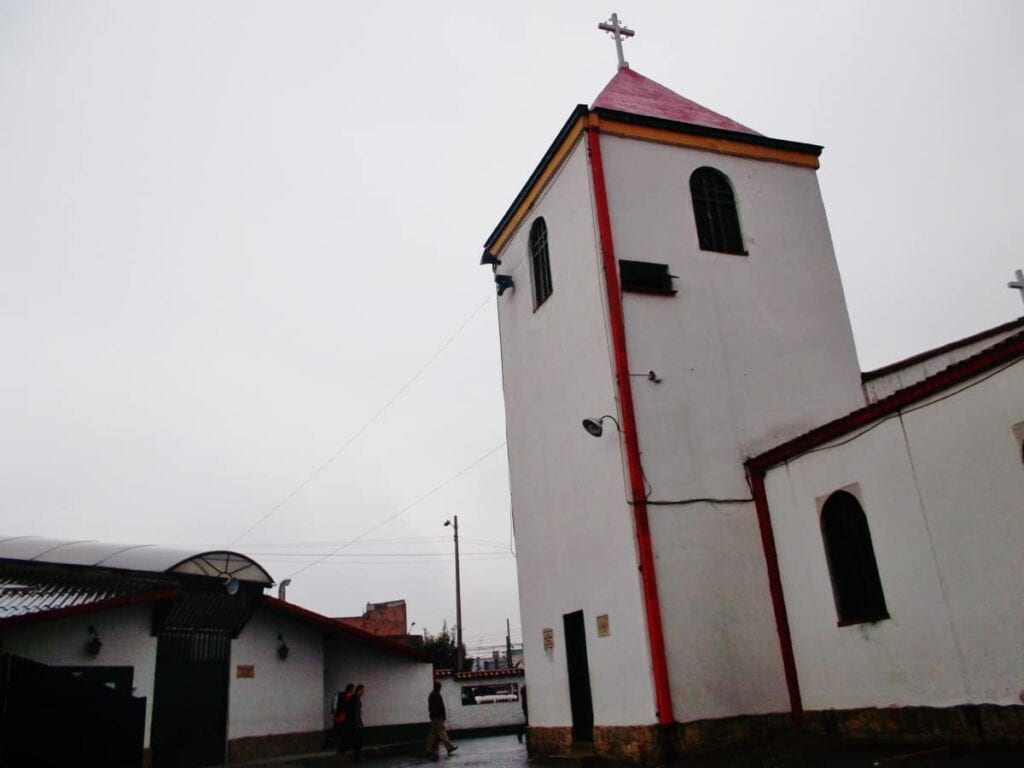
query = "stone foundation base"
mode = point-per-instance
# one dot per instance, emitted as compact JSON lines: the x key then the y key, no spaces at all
{"x":549,"y":742}
{"x":971,"y":725}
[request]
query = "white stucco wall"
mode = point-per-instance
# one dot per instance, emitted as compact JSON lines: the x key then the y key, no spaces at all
{"x":941,"y":489}
{"x":283,"y":696}
{"x":125,"y":633}
{"x":573,"y":526}
{"x":396,"y":686}
{"x":492,"y":715}
{"x":752,"y":350}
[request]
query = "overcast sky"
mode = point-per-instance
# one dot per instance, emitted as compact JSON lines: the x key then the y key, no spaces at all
{"x":231,"y":233}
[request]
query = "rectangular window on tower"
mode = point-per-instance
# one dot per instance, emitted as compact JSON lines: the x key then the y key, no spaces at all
{"x":645,"y":277}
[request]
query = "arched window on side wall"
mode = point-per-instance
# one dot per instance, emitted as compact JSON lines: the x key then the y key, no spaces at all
{"x":540,"y":264}
{"x":714,"y":209}
{"x":851,"y":561}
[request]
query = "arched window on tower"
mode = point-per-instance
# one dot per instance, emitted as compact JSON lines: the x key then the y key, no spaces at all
{"x":714,"y":208}
{"x":540,"y":264}
{"x":851,"y":561}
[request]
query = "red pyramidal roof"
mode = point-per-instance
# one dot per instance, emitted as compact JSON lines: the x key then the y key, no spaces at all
{"x":631,"y":92}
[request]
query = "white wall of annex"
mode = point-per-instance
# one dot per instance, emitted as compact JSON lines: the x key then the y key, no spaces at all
{"x":967,"y":463}
{"x":396,"y":685}
{"x":941,"y":491}
{"x":751,"y":350}
{"x":124,"y":632}
{"x":883,"y":386}
{"x":283,"y":696}
{"x":573,"y":525}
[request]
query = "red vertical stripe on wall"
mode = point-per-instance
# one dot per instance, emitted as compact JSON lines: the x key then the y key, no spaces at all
{"x":771,"y":558}
{"x":655,"y":634}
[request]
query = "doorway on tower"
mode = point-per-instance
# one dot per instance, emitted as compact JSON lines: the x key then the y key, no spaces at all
{"x":579,"y":678}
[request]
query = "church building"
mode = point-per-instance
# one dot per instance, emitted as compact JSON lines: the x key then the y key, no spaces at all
{"x":724,"y":529}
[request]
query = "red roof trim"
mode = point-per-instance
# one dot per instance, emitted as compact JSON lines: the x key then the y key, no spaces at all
{"x":332,"y":626}
{"x":1003,"y":352}
{"x":87,"y":608}
{"x":930,"y":353}
{"x":480,"y":674}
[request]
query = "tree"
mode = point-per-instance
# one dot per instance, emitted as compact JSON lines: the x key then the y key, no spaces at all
{"x":442,"y":648}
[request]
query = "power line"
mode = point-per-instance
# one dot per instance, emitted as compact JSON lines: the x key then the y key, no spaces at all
{"x":404,"y":509}
{"x":402,"y":390}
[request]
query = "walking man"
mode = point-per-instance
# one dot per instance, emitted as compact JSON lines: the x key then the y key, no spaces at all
{"x":438,"y":735}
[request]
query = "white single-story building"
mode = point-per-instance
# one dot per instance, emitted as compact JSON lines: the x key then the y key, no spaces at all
{"x":227,"y":672}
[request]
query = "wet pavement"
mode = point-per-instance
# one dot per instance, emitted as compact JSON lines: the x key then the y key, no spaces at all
{"x":507,"y":752}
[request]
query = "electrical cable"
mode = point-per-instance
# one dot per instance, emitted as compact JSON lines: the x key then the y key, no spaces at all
{"x":904,"y":411}
{"x":404,"y":509}
{"x":402,"y":390}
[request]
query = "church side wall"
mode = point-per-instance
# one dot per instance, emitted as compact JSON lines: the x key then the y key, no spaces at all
{"x":284,"y":696}
{"x":750,"y":351}
{"x":573,"y":525}
{"x":941,"y":490}
{"x":125,"y":633}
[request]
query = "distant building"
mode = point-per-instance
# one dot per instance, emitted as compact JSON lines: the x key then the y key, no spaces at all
{"x":226,"y":672}
{"x":724,"y":529}
{"x":384,"y":619}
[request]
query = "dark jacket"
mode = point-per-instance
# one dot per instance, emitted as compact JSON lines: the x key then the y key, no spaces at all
{"x":354,"y":712}
{"x":435,"y":705}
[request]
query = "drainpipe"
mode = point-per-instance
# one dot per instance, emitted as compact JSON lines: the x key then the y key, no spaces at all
{"x":645,"y":550}
{"x":771,"y":559}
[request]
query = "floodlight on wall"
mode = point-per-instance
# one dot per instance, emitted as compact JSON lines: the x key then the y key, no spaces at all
{"x":489,"y":258}
{"x":282,"y":648}
{"x":504,"y":282}
{"x":594,"y":427}
{"x":231,"y":585}
{"x":93,"y":646}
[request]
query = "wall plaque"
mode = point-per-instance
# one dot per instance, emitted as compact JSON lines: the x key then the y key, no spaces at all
{"x":603,"y":629}
{"x":245,"y":670}
{"x":549,"y":638}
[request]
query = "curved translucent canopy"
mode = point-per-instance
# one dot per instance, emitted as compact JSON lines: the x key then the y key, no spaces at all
{"x":142,"y":557}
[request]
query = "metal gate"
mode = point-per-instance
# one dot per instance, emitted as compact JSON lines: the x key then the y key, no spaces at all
{"x":190,"y":698}
{"x":49,"y":717}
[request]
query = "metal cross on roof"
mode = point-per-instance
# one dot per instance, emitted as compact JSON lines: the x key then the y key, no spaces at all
{"x":1018,"y":283}
{"x":618,"y":32}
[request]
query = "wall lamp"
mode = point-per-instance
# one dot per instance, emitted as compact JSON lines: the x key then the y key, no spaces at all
{"x":504,"y":282}
{"x":230,"y":584}
{"x":95,"y":644}
{"x":282,"y":648}
{"x":594,"y":427}
{"x":489,"y":258}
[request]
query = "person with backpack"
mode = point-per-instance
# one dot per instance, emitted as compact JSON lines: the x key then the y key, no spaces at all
{"x":340,"y":715}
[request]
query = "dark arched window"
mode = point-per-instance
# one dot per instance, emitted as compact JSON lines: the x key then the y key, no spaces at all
{"x":714,"y":208}
{"x":540,"y":265}
{"x":851,"y":560}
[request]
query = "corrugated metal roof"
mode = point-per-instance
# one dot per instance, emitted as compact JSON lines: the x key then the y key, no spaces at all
{"x":145,"y":558}
{"x":23,"y":593}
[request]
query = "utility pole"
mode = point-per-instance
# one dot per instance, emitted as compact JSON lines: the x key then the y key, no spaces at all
{"x":458,"y":596}
{"x":508,"y":645}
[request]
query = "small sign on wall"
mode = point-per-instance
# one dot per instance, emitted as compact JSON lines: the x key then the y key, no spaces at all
{"x":549,"y":639}
{"x":603,"y":629}
{"x":245,"y":670}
